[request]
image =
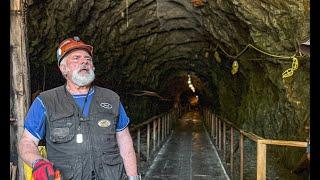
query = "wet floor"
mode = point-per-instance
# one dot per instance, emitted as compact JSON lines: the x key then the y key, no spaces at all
{"x":188,"y":154}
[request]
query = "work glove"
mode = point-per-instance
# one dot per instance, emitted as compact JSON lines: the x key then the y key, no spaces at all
{"x":43,"y":170}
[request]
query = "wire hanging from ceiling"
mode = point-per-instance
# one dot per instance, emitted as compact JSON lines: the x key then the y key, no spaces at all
{"x":287,"y":73}
{"x":127,"y":12}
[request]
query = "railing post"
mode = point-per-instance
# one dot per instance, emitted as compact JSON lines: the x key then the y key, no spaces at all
{"x":172,"y":117}
{"x":168,"y":122}
{"x":224,"y":139}
{"x":231,"y":151}
{"x":162,"y":128}
{"x":204,"y":117}
{"x":219,"y":134}
{"x":148,"y":141}
{"x":261,"y":160}
{"x":159,"y":131}
{"x":207,"y":118}
{"x":216,"y":133}
{"x":212,"y":125}
{"x":154,"y":134}
{"x":165,"y":126}
{"x":241,"y":156}
{"x":139,"y":145}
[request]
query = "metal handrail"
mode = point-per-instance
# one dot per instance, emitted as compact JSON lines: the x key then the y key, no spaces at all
{"x":161,"y":126}
{"x":217,"y":128}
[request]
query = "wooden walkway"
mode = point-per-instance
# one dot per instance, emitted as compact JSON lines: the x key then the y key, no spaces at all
{"x":188,"y":154}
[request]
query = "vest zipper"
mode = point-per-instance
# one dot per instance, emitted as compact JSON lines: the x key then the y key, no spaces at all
{"x":91,"y":154}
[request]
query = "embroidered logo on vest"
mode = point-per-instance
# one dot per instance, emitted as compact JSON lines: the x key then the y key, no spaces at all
{"x":106,"y":105}
{"x":104,"y":123}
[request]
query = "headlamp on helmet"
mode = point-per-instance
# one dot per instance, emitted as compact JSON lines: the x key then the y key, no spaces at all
{"x":71,"y":44}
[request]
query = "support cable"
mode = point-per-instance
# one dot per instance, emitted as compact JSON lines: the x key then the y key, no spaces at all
{"x":287,"y":73}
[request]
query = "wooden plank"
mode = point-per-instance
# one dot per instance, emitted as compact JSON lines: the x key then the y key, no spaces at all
{"x":224,"y":140}
{"x":14,"y":173}
{"x":216,"y":129}
{"x":212,"y":125}
{"x":154,"y":129}
{"x":251,"y":135}
{"x":231,"y":151}
{"x":220,"y":129}
{"x":15,"y":5}
{"x":241,"y":156}
{"x":139,"y":145}
{"x":19,"y":71}
{"x":166,"y":126}
{"x":284,"y":143}
{"x":261,"y":161}
{"x":146,"y":122}
{"x":162,"y":129}
{"x":11,"y":164}
{"x":148,"y":141}
{"x":159,"y":126}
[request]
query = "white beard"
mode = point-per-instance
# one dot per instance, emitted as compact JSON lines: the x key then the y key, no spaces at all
{"x":82,"y":80}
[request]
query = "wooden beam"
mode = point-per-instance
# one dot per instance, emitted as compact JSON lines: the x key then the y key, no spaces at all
{"x":241,"y":156}
{"x":19,"y":70}
{"x":284,"y":143}
{"x":261,"y":161}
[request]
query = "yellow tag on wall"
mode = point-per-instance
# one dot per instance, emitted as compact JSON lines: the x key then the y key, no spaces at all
{"x":295,"y":63}
{"x":235,"y":67}
{"x":217,"y":57}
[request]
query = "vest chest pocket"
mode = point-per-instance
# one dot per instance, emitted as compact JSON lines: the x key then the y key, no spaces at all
{"x":106,"y":122}
{"x":62,"y":127}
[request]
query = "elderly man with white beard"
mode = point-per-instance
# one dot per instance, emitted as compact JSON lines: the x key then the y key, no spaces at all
{"x":85,"y":127}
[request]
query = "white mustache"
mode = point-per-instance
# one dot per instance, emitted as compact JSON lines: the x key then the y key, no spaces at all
{"x":85,"y":67}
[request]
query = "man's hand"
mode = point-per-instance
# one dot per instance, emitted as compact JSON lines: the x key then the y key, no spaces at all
{"x":43,"y":170}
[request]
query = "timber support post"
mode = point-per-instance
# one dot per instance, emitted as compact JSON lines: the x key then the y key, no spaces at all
{"x":19,"y":71}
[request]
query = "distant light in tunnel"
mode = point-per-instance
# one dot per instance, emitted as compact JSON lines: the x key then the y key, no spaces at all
{"x":190,"y":84}
{"x":193,"y":100}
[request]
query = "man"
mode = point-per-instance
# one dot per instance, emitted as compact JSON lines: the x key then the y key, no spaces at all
{"x":85,"y":127}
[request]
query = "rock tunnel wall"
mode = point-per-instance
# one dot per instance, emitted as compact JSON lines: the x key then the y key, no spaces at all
{"x":153,"y":44}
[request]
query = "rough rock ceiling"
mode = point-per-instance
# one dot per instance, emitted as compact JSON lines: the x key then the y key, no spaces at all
{"x":153,"y":44}
{"x":152,"y":39}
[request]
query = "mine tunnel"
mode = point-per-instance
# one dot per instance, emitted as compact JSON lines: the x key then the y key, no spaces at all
{"x":245,"y":61}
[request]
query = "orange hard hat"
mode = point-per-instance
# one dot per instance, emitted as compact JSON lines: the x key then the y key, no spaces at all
{"x":70,"y":44}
